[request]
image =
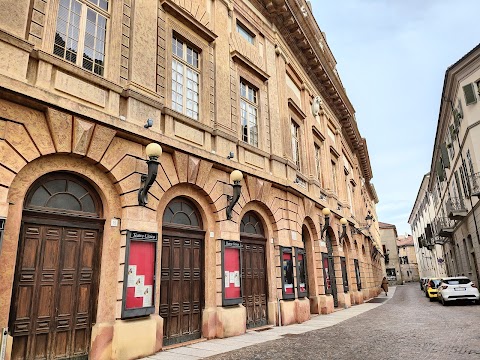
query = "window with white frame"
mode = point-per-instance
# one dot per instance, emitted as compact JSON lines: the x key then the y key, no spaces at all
{"x":249,"y":113}
{"x":295,"y":130}
{"x":81,"y":29}
{"x":245,"y":33}
{"x":185,"y":78}
{"x":318,"y":163}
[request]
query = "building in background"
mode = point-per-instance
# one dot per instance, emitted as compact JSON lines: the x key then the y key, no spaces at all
{"x":388,"y":236}
{"x":454,"y":181}
{"x":430,"y":256}
{"x":407,"y":258}
{"x":102,"y":259}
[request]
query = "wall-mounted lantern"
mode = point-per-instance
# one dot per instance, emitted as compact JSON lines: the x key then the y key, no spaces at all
{"x":236,"y":176}
{"x":369,"y":219}
{"x":153,"y":151}
{"x":344,"y":223}
{"x":326,"y":214}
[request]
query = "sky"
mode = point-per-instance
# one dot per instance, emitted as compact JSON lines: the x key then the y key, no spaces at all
{"x":392,"y":56}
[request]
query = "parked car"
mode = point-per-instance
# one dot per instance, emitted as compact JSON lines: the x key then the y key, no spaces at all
{"x":431,"y":288}
{"x":456,"y":289}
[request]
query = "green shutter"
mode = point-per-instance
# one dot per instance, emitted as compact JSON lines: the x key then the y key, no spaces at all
{"x":440,"y":171}
{"x":469,"y":92}
{"x":445,"y":158}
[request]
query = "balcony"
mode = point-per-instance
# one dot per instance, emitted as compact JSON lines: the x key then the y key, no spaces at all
{"x":475,"y":184}
{"x":456,"y":209}
{"x":444,"y":227}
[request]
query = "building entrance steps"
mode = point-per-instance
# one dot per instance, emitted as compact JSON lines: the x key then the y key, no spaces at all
{"x":202,"y":350}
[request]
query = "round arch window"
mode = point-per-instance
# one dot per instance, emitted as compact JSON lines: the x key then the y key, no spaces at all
{"x":63,"y":193}
{"x":180,"y":211}
{"x":251,"y":224}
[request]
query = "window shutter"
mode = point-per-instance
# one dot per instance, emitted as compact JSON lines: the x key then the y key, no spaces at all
{"x":440,"y":171}
{"x":446,"y":160}
{"x":469,"y":91}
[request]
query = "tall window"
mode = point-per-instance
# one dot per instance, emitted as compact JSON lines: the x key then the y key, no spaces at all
{"x":81,"y":29}
{"x":185,"y":78}
{"x":317,"y":163}
{"x":334,"y":176}
{"x":247,"y":35}
{"x":295,"y":129}
{"x":249,"y":113}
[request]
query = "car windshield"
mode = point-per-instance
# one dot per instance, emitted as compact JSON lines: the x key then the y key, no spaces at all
{"x":434,"y":283}
{"x":456,"y":281}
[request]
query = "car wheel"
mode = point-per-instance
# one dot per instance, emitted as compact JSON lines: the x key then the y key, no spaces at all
{"x":431,"y":299}
{"x":443,"y":302}
{"x":426,"y":294}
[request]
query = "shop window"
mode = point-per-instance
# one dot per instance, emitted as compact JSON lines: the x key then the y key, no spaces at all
{"x":185,"y":78}
{"x":249,"y":113}
{"x":301,"y":273}
{"x":343,"y":264}
{"x":81,"y":29}
{"x":288,"y":289}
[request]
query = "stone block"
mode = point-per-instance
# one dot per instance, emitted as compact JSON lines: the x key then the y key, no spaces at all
{"x":18,"y":68}
{"x":231,"y":321}
{"x":82,"y":135}
{"x":78,"y":88}
{"x":134,"y":339}
{"x":288,"y":311}
{"x":60,"y":124}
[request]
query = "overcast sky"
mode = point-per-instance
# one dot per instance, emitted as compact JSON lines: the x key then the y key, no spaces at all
{"x":392,"y":56}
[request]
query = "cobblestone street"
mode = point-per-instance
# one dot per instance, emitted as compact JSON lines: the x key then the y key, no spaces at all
{"x":408,"y":326}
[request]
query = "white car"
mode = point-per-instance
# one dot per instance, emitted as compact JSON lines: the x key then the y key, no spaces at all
{"x":457,"y":288}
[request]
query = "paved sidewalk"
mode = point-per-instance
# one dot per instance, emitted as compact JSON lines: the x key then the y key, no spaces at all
{"x":208,"y":348}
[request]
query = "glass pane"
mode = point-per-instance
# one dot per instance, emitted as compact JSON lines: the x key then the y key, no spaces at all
{"x":181,"y":218}
{"x":88,"y":205}
{"x":75,"y":189}
{"x":40,"y":197}
{"x":56,"y":186}
{"x":64,"y":201}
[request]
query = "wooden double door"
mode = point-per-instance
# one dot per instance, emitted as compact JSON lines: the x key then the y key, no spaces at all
{"x":254,"y":281}
{"x":181,"y":287}
{"x":54,"y":299}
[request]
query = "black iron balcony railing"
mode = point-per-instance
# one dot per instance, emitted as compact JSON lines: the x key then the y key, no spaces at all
{"x":475,"y":184}
{"x":444,"y":227}
{"x":456,"y":208}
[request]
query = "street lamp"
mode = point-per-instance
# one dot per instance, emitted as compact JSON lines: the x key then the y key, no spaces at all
{"x":236,"y":176}
{"x":344,"y":222}
{"x":369,"y":219}
{"x":326,"y":213}
{"x":153,"y":151}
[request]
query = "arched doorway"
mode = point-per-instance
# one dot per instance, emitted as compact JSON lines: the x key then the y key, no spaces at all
{"x":56,"y":281}
{"x":254,"y":275}
{"x":181,"y":281}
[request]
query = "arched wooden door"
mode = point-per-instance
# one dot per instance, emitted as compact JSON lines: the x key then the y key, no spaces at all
{"x":56,"y":281}
{"x":181,"y":281}
{"x":254,"y":275}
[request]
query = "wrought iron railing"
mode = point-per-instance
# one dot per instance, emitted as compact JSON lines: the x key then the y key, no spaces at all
{"x":442,"y":223}
{"x":475,"y":184}
{"x":455,"y":204}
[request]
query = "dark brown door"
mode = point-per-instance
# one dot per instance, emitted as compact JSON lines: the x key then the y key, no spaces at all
{"x":181,"y":286}
{"x":52,"y":310}
{"x":254,"y":282}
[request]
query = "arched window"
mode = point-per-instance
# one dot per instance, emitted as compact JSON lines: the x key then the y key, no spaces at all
{"x":250,"y":224}
{"x":63,"y":193}
{"x":180,"y":211}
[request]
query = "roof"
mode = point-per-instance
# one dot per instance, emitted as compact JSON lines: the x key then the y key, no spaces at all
{"x":383,"y":225}
{"x":405,"y":241}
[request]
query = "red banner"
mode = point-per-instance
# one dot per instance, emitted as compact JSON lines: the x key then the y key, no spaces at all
{"x":231,"y":267}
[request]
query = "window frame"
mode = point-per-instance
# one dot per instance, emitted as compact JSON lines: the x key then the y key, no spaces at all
{"x":249,"y":104}
{"x":240,"y":25}
{"x":183,"y":61}
{"x":334,"y":176}
{"x":85,"y":6}
{"x":297,"y":160}
{"x":318,"y":162}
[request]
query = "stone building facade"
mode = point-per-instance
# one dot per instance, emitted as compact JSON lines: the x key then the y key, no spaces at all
{"x":388,"y":238}
{"x":454,"y":174}
{"x":408,"y":258}
{"x":85,"y":85}
{"x":430,"y":256}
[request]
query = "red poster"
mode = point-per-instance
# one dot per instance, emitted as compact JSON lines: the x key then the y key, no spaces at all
{"x":141,"y":265}
{"x":231,"y":267}
{"x":327,"y":276}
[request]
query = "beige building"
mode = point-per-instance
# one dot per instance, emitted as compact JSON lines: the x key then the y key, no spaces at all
{"x":407,"y":258}
{"x":109,"y":257}
{"x":388,"y":237}
{"x":454,"y":180}
{"x":429,"y":253}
